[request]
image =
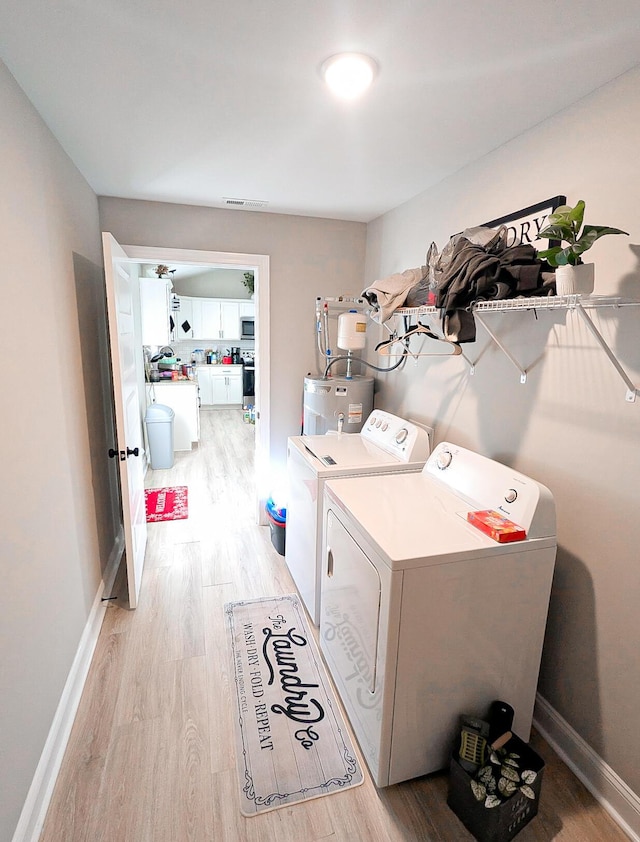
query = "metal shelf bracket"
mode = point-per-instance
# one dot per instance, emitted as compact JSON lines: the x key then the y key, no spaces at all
{"x":505,"y":351}
{"x":632,"y":392}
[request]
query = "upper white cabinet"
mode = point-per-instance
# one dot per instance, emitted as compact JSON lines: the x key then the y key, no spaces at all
{"x":183,"y":319}
{"x":247,"y":308}
{"x":215,"y":318}
{"x":154,"y":310}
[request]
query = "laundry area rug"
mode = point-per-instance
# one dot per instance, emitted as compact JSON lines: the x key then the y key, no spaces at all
{"x":166,"y":503}
{"x":291,"y":740}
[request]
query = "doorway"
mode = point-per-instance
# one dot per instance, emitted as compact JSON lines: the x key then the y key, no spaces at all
{"x":259,"y":264}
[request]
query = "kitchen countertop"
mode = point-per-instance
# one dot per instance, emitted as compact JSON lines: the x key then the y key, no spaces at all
{"x":169,"y":382}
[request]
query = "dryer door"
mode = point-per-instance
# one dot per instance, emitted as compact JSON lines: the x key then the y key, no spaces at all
{"x":349,"y":633}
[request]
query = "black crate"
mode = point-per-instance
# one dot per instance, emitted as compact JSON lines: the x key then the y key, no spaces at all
{"x":495,"y":824}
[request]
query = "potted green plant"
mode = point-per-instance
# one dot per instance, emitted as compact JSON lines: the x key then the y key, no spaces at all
{"x":248,"y":280}
{"x":566,"y":225}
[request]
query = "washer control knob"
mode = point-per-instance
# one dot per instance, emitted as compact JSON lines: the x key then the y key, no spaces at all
{"x":443,"y":459}
{"x":511,"y":496}
{"x":378,"y":422}
{"x":402,"y":435}
{"x":385,"y":427}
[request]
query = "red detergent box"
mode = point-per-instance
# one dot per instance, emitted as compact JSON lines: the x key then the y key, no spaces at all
{"x":499,"y":528}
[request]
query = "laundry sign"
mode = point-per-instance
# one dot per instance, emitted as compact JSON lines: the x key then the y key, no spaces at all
{"x":523,"y":226}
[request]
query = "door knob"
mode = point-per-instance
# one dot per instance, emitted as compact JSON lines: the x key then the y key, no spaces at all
{"x":134,"y":452}
{"x":112,"y":453}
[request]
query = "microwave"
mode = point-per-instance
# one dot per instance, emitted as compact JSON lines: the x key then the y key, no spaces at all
{"x":247,"y":327}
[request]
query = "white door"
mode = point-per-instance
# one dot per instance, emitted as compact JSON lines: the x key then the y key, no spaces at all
{"x":130,"y":444}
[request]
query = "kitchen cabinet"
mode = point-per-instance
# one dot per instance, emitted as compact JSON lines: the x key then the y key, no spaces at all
{"x":182,"y":397}
{"x":215,"y":319}
{"x":247,"y":308}
{"x":183,"y":319}
{"x":154,"y":311}
{"x":220,"y":385}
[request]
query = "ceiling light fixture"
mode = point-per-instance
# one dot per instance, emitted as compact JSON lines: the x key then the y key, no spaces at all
{"x":349,"y":74}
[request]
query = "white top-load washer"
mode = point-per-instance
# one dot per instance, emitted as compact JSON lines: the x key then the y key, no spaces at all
{"x":423,"y":616}
{"x":386,"y":444}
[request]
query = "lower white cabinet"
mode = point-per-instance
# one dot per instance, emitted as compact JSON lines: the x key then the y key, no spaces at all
{"x":220,"y":385}
{"x":182,"y":397}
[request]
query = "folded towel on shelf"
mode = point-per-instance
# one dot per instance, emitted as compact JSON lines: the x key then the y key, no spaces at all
{"x":387,"y":294}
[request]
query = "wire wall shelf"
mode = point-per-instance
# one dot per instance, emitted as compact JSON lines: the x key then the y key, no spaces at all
{"x":577,"y":303}
{"x":546,"y":302}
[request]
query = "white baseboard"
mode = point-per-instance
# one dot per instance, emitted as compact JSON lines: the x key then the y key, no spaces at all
{"x":622,"y":804}
{"x":36,"y":804}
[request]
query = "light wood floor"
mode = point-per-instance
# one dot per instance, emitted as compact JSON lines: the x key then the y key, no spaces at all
{"x":151,"y":755}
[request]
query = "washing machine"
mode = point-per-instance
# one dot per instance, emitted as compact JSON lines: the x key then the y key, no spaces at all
{"x":386,"y":444}
{"x":423,"y":616}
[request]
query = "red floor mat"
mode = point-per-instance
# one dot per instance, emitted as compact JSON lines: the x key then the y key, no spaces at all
{"x":166,"y":503}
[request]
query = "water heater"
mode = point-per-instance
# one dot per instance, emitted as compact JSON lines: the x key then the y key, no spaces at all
{"x":336,"y":403}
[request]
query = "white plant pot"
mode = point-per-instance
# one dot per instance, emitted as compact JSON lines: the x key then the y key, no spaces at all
{"x":575,"y":280}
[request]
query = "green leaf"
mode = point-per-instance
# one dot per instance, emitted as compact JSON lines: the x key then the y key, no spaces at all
{"x":510,"y":761}
{"x":485,"y":774}
{"x":478,"y":790}
{"x":510,"y":774}
{"x":591,"y":233}
{"x":557,"y":231}
{"x":560,"y":213}
{"x":506,"y":787}
{"x":550,"y":255}
{"x":577,"y":214}
{"x":492,"y":801}
{"x":528,"y":792}
{"x":567,"y":256}
{"x":529,"y":776}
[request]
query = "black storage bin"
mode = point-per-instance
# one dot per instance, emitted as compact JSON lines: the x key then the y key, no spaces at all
{"x":277,"y":525}
{"x":502,"y":823}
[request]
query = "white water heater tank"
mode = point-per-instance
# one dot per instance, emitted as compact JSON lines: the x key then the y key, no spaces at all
{"x":352,"y":331}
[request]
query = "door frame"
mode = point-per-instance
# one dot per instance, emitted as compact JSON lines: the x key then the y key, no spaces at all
{"x":259,"y":263}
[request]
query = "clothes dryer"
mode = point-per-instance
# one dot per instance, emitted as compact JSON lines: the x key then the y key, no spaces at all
{"x":423,"y":616}
{"x":386,"y":444}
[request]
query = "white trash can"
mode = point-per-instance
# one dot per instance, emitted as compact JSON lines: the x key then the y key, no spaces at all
{"x":159,"y":421}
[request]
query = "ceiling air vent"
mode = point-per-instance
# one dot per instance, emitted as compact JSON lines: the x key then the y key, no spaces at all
{"x":246,"y":203}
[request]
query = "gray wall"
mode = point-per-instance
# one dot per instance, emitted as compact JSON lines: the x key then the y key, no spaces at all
{"x":569,"y":426}
{"x":54,"y":434}
{"x":308,"y":257}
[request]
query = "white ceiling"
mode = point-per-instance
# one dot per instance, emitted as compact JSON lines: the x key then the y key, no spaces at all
{"x":197,"y":101}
